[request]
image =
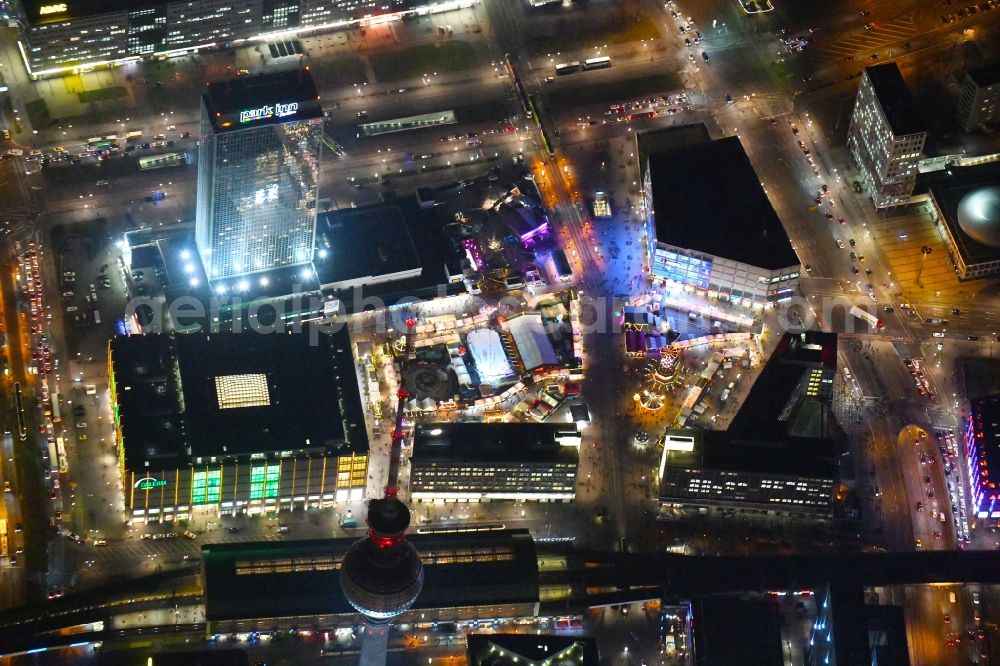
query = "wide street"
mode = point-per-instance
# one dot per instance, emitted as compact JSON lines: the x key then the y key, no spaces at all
{"x":783,"y":103}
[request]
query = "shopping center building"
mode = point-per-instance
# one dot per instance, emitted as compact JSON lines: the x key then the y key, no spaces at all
{"x":711,"y":227}
{"x":228,"y":423}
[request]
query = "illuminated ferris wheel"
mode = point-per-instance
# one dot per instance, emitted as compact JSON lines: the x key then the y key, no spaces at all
{"x":662,"y":373}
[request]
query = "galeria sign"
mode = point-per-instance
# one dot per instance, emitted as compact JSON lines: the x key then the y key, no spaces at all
{"x":269,"y":111}
{"x":148,"y":483}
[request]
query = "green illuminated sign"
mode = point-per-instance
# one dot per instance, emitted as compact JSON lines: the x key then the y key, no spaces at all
{"x":264,"y":481}
{"x":206,"y":487}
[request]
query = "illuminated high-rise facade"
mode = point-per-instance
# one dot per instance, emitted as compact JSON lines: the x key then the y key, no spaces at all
{"x":258,"y":174}
{"x":886,"y":135}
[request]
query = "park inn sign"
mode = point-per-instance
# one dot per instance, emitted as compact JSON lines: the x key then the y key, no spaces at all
{"x":269,"y":111}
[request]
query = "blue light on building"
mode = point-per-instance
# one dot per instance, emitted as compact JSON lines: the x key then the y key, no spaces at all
{"x":681,"y":268}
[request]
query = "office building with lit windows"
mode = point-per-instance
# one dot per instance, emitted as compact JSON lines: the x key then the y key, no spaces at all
{"x":258,"y":175}
{"x":62,"y":37}
{"x":778,"y":456}
{"x":886,"y":135}
{"x":233,"y":423}
{"x":979,"y":103}
{"x":476,"y":462}
{"x":731,"y":246}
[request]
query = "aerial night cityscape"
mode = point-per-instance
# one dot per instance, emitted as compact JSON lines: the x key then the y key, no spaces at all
{"x":495,"y":332}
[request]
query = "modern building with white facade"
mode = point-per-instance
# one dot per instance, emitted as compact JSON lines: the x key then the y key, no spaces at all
{"x":979,"y":103}
{"x":480,"y":462}
{"x":62,"y":37}
{"x":710,"y":225}
{"x":886,"y":135}
{"x":258,"y":174}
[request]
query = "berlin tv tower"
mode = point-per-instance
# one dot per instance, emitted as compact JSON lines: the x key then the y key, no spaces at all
{"x":381,"y":574}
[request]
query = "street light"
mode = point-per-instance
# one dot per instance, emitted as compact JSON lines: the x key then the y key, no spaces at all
{"x":924,"y":251}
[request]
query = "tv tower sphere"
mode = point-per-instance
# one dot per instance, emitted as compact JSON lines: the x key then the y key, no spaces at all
{"x":381,"y":574}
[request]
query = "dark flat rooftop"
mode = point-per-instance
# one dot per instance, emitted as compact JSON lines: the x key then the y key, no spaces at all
{"x":981,"y":376}
{"x":224,"y":100}
{"x":779,"y":383}
{"x":504,"y":570}
{"x":493,"y":442}
{"x":895,"y":99}
{"x":986,"y":75}
{"x":432,"y":246}
{"x":170,"y":402}
{"x":363,"y":242}
{"x":730,"y":631}
{"x":707,"y":198}
{"x":309,"y":383}
{"x":716,"y":449}
{"x":153,"y":426}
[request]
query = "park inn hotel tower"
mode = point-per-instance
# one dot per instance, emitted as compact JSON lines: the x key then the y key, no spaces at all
{"x":258,"y":176}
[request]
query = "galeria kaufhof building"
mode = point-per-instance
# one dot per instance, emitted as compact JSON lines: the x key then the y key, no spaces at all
{"x":77,"y":35}
{"x":236,"y":423}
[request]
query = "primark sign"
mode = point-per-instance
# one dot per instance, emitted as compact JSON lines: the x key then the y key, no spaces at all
{"x":269,"y":111}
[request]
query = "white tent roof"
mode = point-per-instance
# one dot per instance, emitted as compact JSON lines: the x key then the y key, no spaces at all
{"x":532,"y":343}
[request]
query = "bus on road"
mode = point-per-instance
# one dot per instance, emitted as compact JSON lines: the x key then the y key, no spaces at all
{"x":61,"y":452}
{"x":133,"y":136}
{"x":874,"y":322}
{"x":568,"y":68}
{"x":56,"y":417}
{"x":163,"y":160}
{"x":597,"y":63}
